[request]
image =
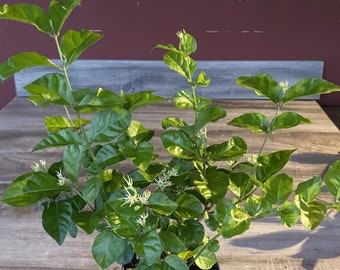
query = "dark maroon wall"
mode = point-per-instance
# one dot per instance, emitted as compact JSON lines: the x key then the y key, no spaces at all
{"x":224,"y":29}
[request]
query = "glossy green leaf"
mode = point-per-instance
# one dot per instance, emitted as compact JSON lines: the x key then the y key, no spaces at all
{"x":278,"y":188}
{"x":209,"y":115}
{"x":56,"y":219}
{"x":179,"y":62}
{"x":21,"y":61}
{"x":188,"y":206}
{"x":140,"y":99}
{"x":56,"y":123}
{"x":52,"y":88}
{"x":184,"y":99}
{"x":30,"y":188}
{"x":332,"y":179}
{"x":27,"y":13}
{"x":161,"y":204}
{"x":109,"y":155}
{"x":191,"y":232}
{"x":223,"y":208}
{"x":88,"y":101}
{"x":240,"y":183}
{"x":203,"y":80}
{"x":150,"y":245}
{"x":233,"y":149}
{"x":179,"y":144}
{"x":91,"y":188}
{"x":88,"y":220}
{"x":73,"y":158}
{"x":109,"y":124}
{"x":173,"y":262}
{"x":187,"y":43}
{"x":255,"y":122}
{"x":207,"y":258}
{"x":141,"y":155}
{"x":289,"y":214}
{"x":172,"y":243}
{"x":309,"y":87}
{"x":74,"y":43}
{"x":59,"y":12}
{"x":263,"y":85}
{"x":61,"y":138}
{"x":235,"y":224}
{"x":312,"y":214}
{"x":138,"y":132}
{"x":107,"y":248}
{"x":288,"y":120}
{"x":270,"y":164}
{"x":173,"y":122}
{"x":308,"y":190}
{"x":257,"y":206}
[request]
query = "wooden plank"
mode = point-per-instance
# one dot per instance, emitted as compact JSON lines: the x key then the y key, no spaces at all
{"x":267,"y":245}
{"x":133,"y":76}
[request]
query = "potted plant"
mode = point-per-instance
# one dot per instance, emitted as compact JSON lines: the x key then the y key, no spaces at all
{"x":156,"y":215}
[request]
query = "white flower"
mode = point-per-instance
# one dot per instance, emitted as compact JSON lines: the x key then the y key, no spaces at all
{"x":61,"y":178}
{"x":141,"y":220}
{"x":162,"y":181}
{"x":284,"y":86}
{"x":39,"y":167}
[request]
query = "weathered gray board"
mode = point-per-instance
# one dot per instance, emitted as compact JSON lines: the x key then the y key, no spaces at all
{"x":133,"y":76}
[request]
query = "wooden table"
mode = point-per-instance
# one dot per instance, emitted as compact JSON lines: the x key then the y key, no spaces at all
{"x":266,"y":245}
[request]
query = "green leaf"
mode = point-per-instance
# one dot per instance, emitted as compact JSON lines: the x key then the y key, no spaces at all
{"x":203,"y":80}
{"x":150,"y":246}
{"x":141,"y":155}
{"x":30,"y":188}
{"x":88,"y":101}
{"x":191,"y":232}
{"x":161,"y":204}
{"x":91,"y":188}
{"x":207,"y":258}
{"x":188,"y":206}
{"x":109,"y":155}
{"x":109,"y":124}
{"x":52,"y":88}
{"x":107,"y":248}
{"x":21,"y":61}
{"x":184,"y":99}
{"x":54,"y":124}
{"x":235,"y":224}
{"x":28,"y":14}
{"x":187,"y":43}
{"x":257,"y":206}
{"x":56,"y":220}
{"x":140,"y":99}
{"x":179,"y":144}
{"x":308,"y":190}
{"x":173,"y":262}
{"x":278,"y":188}
{"x":59,"y":12}
{"x":332,"y":179}
{"x":270,"y":164}
{"x":73,"y":158}
{"x":309,"y":87}
{"x":289,"y":214}
{"x":88,"y":220}
{"x":209,"y":115}
{"x":312,"y":213}
{"x":240,"y":183}
{"x":173,"y":122}
{"x":288,"y":120}
{"x":138,"y":132}
{"x":182,"y":64}
{"x":223,"y":208}
{"x":263,"y":85}
{"x":233,"y":149}
{"x":172,"y":243}
{"x":74,"y":43}
{"x":255,"y":122}
{"x":60,"y":138}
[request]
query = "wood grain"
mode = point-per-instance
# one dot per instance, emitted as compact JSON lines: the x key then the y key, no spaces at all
{"x":267,"y":245}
